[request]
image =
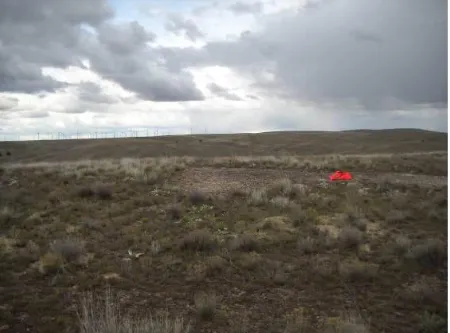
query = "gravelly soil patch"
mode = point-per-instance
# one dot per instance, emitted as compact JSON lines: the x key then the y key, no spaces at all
{"x":222,"y":180}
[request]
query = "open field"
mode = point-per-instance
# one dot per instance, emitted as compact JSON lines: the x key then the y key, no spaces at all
{"x":231,"y":234}
{"x":264,"y":144}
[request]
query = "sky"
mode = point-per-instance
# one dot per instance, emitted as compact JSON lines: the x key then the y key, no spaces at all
{"x":228,"y":66}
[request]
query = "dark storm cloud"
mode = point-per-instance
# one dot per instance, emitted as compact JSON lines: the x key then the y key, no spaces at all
{"x":180,"y":25}
{"x":378,"y":54}
{"x":60,"y":33}
{"x":222,"y":92}
{"x":241,"y":7}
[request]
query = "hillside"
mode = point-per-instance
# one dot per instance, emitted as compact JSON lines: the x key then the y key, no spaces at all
{"x":272,"y":143}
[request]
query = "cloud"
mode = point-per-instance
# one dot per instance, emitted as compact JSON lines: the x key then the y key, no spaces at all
{"x":40,"y":33}
{"x":8,"y":103}
{"x":373,"y":54}
{"x":63,"y":33}
{"x":180,"y":25}
{"x":35,"y":114}
{"x":222,"y":92}
{"x":241,"y":7}
{"x":92,"y":92}
{"x":124,"y":38}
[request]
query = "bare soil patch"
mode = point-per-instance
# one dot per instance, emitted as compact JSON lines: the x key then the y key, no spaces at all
{"x":224,"y":180}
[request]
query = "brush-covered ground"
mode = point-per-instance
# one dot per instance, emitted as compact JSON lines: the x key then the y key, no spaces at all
{"x":238,"y":244}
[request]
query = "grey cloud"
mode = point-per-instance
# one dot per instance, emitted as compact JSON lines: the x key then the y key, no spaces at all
{"x":222,"y":92}
{"x":41,"y":33}
{"x":35,"y":114}
{"x":35,"y":34}
{"x":180,"y":25}
{"x":241,"y":7}
{"x":365,"y":36}
{"x":314,"y":60}
{"x":146,"y":77}
{"x":8,"y":103}
{"x":92,"y":92}
{"x":125,"y":38}
{"x":252,"y":97}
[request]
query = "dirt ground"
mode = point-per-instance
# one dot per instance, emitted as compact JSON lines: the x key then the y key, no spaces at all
{"x":231,"y":244}
{"x":223,"y":180}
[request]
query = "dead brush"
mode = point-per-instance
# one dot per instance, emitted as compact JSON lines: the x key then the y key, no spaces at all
{"x":432,"y":253}
{"x":350,"y":237}
{"x":280,"y":202}
{"x":197,"y":197}
{"x":282,"y":187}
{"x":174,"y":211}
{"x":426,"y":288}
{"x":400,"y":245}
{"x":85,"y":192}
{"x":307,"y":245}
{"x":97,"y":315}
{"x":103,"y":192}
{"x":198,"y":240}
{"x":69,"y":249}
{"x":245,"y":243}
{"x":206,"y":305}
{"x":258,"y":197}
{"x":215,"y":264}
{"x":357,"y":270}
{"x":6,"y":216}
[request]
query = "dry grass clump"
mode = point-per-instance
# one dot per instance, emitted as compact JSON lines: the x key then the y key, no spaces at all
{"x":351,"y":322}
{"x":318,"y":240}
{"x":432,"y":323}
{"x":283,"y":187}
{"x":70,"y":250}
{"x":245,"y":243}
{"x":174,"y":211}
{"x":307,"y":245}
{"x":103,"y":192}
{"x":61,"y":253}
{"x":356,"y":270}
{"x":350,"y":237}
{"x":401,"y":245}
{"x":280,"y":202}
{"x":6,"y":245}
{"x":426,"y":288}
{"x":206,"y":305}
{"x":347,"y":323}
{"x":6,"y":216}
{"x":258,"y":197}
{"x":50,"y":263}
{"x":304,"y":217}
{"x":100,"y":191}
{"x":357,"y":220}
{"x":197,"y":197}
{"x":278,"y":194}
{"x":85,"y":192}
{"x":431,"y":253}
{"x":105,"y":316}
{"x":199,"y":240}
{"x":250,"y":261}
{"x":215,"y":265}
{"x":396,"y":216}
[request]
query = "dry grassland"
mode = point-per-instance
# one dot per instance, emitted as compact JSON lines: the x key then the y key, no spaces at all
{"x":225,"y":244}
